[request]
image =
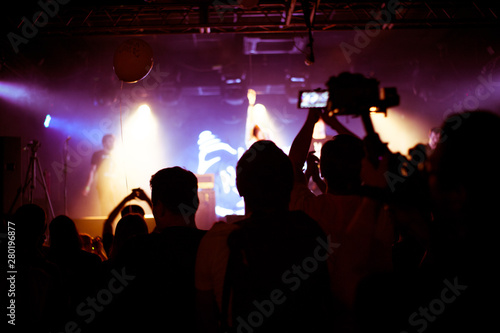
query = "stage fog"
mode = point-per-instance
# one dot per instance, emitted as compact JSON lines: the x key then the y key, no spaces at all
{"x":191,"y":110}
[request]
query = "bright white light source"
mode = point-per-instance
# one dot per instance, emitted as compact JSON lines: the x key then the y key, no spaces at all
{"x":399,"y":130}
{"x":46,"y":123}
{"x":319,"y":131}
{"x":140,"y":151}
{"x":144,"y":110}
{"x":297,"y":79}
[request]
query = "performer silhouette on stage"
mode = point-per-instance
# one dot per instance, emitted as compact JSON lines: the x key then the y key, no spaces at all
{"x":104,"y":173}
{"x":258,"y":124}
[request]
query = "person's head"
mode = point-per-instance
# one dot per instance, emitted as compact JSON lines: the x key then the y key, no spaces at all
{"x":340,"y":164}
{"x":132,"y":209}
{"x":264,"y":177}
{"x":29,"y":221}
{"x":127,"y":227}
{"x":174,"y":194}
{"x":86,"y":241}
{"x":463,"y":178}
{"x":434,"y":135}
{"x":63,"y":234}
{"x":108,"y":142}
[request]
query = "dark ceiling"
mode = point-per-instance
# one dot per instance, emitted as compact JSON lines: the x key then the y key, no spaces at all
{"x":429,"y":48}
{"x":202,"y":35}
{"x":90,"y":17}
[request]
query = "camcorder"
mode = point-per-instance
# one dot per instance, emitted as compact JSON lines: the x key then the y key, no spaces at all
{"x":356,"y":95}
{"x":350,"y":94}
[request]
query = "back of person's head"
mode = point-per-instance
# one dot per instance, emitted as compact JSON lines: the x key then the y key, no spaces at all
{"x":264,"y":176}
{"x":29,"y":221}
{"x":127,"y":227}
{"x":107,"y":137}
{"x":64,"y":234}
{"x":467,"y":153}
{"x":341,"y":160}
{"x":177,"y":190}
{"x":464,"y":181}
{"x":132,"y":209}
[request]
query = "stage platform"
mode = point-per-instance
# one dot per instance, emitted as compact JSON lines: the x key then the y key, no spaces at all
{"x":205,"y":215}
{"x":93,"y":225}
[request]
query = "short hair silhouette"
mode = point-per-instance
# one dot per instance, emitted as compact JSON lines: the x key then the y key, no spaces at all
{"x":176,"y":188}
{"x":341,"y":160}
{"x":264,"y":176}
{"x":466,"y":152}
{"x":30,"y":224}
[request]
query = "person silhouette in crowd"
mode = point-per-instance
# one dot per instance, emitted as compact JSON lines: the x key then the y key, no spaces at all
{"x":127,"y":227}
{"x":256,"y":263}
{"x":434,"y":137}
{"x":123,"y":209}
{"x":80,"y":269}
{"x":86,"y":240}
{"x":353,"y":220}
{"x":40,"y":300}
{"x":452,"y":289}
{"x":162,"y":293}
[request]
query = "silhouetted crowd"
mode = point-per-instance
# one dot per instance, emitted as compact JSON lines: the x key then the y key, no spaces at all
{"x":393,"y":243}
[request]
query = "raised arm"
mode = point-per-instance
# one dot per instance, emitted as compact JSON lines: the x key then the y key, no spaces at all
{"x":141,"y":195}
{"x":331,"y":120}
{"x":301,"y":143}
{"x":312,"y":171}
{"x":107,"y":229}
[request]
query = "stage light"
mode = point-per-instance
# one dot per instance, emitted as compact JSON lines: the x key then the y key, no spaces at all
{"x":297,"y":79}
{"x":144,"y":110}
{"x":142,"y":124}
{"x":233,"y":81}
{"x":12,"y":91}
{"x":46,"y":123}
{"x":400,"y":130}
{"x":139,"y":153}
{"x":319,"y":131}
{"x":295,"y":82}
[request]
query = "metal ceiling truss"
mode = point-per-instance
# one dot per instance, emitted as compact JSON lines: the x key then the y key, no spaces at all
{"x":231,"y":16}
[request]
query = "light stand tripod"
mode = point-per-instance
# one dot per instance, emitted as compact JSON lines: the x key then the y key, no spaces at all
{"x":30,"y":179}
{"x":65,"y":171}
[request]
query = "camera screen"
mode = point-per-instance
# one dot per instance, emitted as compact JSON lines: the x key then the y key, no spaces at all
{"x":313,"y":99}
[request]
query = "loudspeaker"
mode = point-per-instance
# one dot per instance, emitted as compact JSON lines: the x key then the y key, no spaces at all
{"x":10,"y":173}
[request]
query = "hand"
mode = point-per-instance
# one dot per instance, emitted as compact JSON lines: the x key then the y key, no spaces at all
{"x":313,"y":115}
{"x":132,"y":195}
{"x":312,"y":166}
{"x":331,"y":119}
{"x":140,"y":194}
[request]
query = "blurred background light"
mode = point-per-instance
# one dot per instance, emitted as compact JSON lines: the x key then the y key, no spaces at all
{"x":46,"y":123}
